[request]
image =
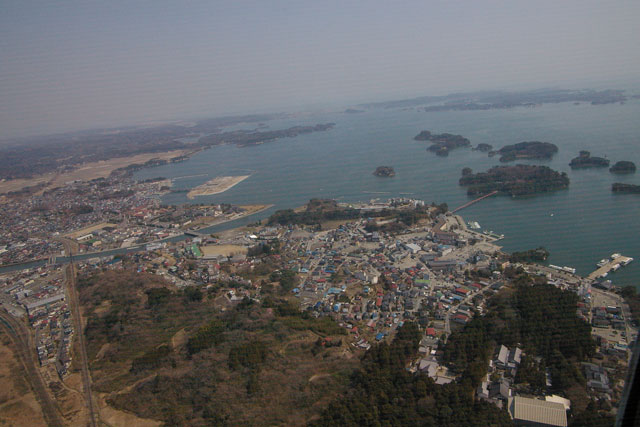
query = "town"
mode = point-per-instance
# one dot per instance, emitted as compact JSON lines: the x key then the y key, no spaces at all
{"x":364,"y":272}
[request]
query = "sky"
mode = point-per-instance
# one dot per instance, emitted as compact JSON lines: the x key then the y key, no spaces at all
{"x":72,"y":65}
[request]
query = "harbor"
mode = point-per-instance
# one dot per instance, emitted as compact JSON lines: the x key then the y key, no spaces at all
{"x":606,"y":266}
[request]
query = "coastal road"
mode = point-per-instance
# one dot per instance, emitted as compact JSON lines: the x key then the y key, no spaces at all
{"x":19,"y":334}
{"x":74,"y":305}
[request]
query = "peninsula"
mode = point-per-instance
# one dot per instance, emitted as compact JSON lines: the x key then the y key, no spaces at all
{"x":442,"y":143}
{"x":623,"y":166}
{"x":384,"y":171}
{"x":584,"y":160}
{"x":217,"y":185}
{"x":528,"y":150}
{"x":518,"y":180}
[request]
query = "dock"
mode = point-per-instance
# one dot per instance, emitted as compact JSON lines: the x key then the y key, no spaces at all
{"x":618,"y":261}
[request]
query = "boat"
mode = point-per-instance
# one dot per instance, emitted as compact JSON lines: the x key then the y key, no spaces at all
{"x":616,"y":255}
{"x":569,"y":269}
{"x":602,"y":262}
{"x":627,"y":261}
{"x":615,"y":267}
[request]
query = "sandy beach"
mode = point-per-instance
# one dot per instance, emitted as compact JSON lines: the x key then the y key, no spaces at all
{"x":217,"y":185}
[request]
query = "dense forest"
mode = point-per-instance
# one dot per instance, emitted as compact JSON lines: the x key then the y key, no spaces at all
{"x":623,"y":166}
{"x":383,"y":392}
{"x":586,"y":160}
{"x":528,"y":150}
{"x":442,"y":143}
{"x":625,"y":188}
{"x":321,"y":210}
{"x":536,"y":255}
{"x":516,"y":180}
{"x":539,"y":318}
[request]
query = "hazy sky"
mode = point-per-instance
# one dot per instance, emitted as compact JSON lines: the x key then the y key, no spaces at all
{"x":85,"y":64}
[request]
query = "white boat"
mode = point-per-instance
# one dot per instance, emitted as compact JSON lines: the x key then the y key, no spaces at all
{"x":616,"y":255}
{"x":602,"y":262}
{"x":627,"y":261}
{"x":615,"y":267}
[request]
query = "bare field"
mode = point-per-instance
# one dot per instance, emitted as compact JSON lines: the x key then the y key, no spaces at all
{"x":224,"y":250}
{"x":86,"y":172}
{"x":114,"y":417}
{"x":18,"y":404}
{"x":217,"y":185}
{"x":90,"y":229}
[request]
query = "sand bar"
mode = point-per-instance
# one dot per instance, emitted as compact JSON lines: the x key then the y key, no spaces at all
{"x":217,"y":185}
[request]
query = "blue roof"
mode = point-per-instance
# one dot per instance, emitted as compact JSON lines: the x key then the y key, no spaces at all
{"x":379,"y":336}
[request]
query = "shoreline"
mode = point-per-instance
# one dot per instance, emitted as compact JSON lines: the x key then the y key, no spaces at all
{"x":216,"y":185}
{"x":87,"y":171}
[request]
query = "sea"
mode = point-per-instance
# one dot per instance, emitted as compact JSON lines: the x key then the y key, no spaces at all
{"x":579,"y":226}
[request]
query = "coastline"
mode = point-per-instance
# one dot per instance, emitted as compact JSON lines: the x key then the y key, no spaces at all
{"x":217,"y":185}
{"x":87,"y":171}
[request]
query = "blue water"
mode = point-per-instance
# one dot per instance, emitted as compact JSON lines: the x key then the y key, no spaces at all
{"x":588,"y":222}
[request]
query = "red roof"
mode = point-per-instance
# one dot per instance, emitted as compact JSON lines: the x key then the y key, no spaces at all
{"x":431,"y":332}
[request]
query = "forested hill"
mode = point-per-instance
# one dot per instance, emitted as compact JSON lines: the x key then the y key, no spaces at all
{"x":383,"y":392}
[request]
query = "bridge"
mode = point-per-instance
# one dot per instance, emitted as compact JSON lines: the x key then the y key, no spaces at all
{"x":466,"y":205}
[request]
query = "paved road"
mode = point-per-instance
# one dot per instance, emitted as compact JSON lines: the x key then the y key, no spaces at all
{"x":19,"y":334}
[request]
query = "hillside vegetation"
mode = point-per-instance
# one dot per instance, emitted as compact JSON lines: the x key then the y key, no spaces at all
{"x":249,"y":364}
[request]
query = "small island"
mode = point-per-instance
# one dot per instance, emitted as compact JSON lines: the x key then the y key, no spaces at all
{"x":625,"y":188}
{"x":443,"y":142}
{"x":528,"y":150}
{"x":518,"y":180}
{"x":485,"y":148}
{"x":623,"y":166}
{"x":384,"y":171}
{"x":584,"y":160}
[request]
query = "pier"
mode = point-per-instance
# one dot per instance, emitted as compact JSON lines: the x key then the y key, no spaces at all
{"x":466,"y":205}
{"x":618,"y":261}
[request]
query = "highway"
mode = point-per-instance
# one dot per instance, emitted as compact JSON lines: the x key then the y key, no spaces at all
{"x":19,"y":334}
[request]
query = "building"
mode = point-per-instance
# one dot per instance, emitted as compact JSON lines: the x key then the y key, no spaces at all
{"x":533,"y":412}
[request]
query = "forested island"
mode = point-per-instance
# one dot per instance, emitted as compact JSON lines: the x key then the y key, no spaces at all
{"x":245,"y":138}
{"x":489,"y":100}
{"x":528,"y":150}
{"x":585,"y":160}
{"x":623,"y":166}
{"x":384,"y":171}
{"x":442,"y":143}
{"x":625,"y":188}
{"x":485,"y":148}
{"x":518,"y":180}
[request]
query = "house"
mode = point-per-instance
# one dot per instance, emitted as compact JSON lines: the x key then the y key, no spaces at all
{"x":429,"y":367}
{"x":460,"y":318}
{"x":515,"y":356}
{"x":503,"y":357}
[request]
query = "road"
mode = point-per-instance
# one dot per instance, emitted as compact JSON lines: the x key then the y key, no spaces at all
{"x":19,"y":334}
{"x":74,"y":305}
